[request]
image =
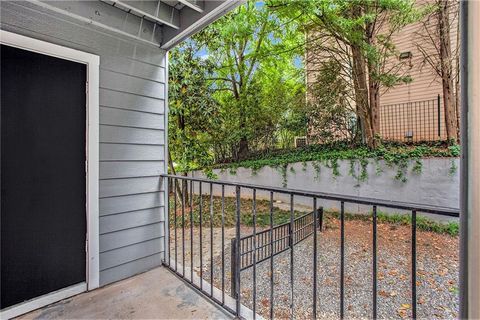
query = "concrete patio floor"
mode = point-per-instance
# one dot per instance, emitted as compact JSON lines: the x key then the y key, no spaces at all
{"x":156,"y":294}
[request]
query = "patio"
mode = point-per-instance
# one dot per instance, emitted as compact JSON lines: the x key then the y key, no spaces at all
{"x":155,"y":294}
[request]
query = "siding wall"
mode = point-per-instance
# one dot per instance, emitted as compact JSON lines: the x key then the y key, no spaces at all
{"x":426,"y":84}
{"x":412,"y":107}
{"x":132,"y":135}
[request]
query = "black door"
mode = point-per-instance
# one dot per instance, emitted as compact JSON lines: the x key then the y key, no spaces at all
{"x":43,"y":197}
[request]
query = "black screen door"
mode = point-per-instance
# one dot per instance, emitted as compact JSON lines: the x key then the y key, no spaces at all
{"x":43,"y":179}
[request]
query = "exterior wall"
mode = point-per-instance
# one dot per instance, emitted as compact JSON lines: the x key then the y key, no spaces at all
{"x":434,"y":186}
{"x":426,"y":83}
{"x":414,"y":105}
{"x":132,"y":135}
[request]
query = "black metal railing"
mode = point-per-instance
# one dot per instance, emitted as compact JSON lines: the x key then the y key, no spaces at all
{"x":259,"y":247}
{"x":413,"y":121}
{"x":180,"y":252}
{"x":274,"y":241}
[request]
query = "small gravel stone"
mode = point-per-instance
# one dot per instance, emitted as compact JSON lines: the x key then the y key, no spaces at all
{"x":437,"y":273}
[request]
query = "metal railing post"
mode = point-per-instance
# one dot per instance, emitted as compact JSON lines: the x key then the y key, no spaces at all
{"x":320,"y":219}
{"x":271,"y":255}
{"x":237,"y":252}
{"x":233,"y":267}
{"x":438,"y":116}
{"x":315,"y":224}
{"x":374,"y":262}
{"x":290,"y":235}
{"x":414,"y":264}
{"x":166,"y":186}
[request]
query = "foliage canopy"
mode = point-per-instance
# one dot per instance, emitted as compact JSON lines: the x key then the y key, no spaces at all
{"x":238,"y":88}
{"x":241,"y":82}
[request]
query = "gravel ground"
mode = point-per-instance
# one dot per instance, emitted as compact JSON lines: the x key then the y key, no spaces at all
{"x":437,"y":272}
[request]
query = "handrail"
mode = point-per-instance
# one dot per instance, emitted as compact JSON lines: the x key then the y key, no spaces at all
{"x":292,"y":236}
{"x":444,"y":211}
{"x":183,"y":211}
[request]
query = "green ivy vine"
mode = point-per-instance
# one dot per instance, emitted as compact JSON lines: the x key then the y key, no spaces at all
{"x":399,"y":157}
{"x":304,"y":166}
{"x":283,"y":172}
{"x":317,"y":166}
{"x":378,"y":167}
{"x":453,"y":167}
{"x":363,"y":176}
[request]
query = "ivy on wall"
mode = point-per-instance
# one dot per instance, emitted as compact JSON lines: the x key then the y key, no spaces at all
{"x":398,"y":157}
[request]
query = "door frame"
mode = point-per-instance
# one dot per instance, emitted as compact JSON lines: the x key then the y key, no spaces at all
{"x":92,"y":167}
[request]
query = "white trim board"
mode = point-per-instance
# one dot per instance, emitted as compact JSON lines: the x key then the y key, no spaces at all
{"x":201,"y":23}
{"x":164,"y":181}
{"x":43,"y":300}
{"x":92,"y":164}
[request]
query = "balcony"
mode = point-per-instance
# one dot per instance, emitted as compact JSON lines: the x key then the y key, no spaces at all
{"x":256,"y":256}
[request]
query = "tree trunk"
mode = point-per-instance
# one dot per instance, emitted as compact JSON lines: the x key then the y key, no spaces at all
{"x":457,"y":96}
{"x":172,"y":170}
{"x":243,"y":143}
{"x":373,"y":86}
{"x":360,"y":85}
{"x":374,"y":95}
{"x":184,"y":191}
{"x":457,"y":77}
{"x":361,"y":94}
{"x":242,"y":148}
{"x":446,"y":71}
{"x":375,"y":106}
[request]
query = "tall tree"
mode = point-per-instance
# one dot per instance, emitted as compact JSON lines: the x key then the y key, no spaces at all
{"x":192,"y":109}
{"x":365,"y":27}
{"x":331,"y":110}
{"x":435,"y":44}
{"x":236,"y":88}
{"x":245,"y":46}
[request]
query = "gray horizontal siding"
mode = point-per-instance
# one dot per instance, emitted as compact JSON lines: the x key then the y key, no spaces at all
{"x":130,"y":203}
{"x":122,"y":187}
{"x":127,"y":269}
{"x":127,"y":254}
{"x":130,"y":169}
{"x":128,"y":118}
{"x":130,"y":219}
{"x":128,"y":237}
{"x":122,"y":100}
{"x":29,"y":19}
{"x":131,"y":84}
{"x":134,"y":68}
{"x":132,"y":135}
{"x":111,"y":152}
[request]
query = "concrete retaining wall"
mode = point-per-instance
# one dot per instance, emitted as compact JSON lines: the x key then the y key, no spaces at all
{"x":435,"y":185}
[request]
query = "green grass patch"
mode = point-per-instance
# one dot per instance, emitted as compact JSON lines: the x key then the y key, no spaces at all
{"x":423,"y":223}
{"x":246,"y":217}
